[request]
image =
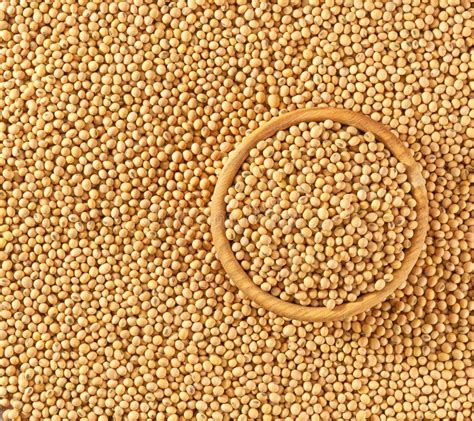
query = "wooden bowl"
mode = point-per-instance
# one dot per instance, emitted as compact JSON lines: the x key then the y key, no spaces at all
{"x":231,"y":168}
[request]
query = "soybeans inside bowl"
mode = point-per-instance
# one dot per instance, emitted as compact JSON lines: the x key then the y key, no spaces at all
{"x":320,"y":213}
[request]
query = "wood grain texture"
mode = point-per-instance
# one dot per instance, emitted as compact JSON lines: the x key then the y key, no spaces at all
{"x":231,"y":168}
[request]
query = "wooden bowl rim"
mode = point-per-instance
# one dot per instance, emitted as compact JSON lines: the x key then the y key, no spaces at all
{"x":231,"y":168}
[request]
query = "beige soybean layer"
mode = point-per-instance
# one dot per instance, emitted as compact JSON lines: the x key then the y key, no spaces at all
{"x":116,"y":118}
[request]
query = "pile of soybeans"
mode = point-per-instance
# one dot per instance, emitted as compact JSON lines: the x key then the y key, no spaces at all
{"x":320,"y":215}
{"x":116,"y":118}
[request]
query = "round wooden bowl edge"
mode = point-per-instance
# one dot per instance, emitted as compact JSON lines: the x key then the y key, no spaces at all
{"x":231,"y":168}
